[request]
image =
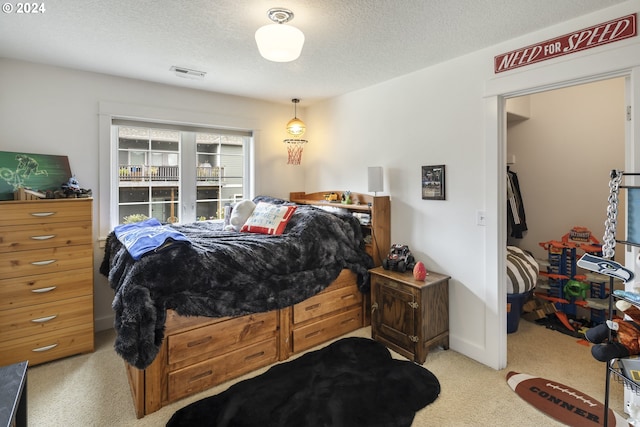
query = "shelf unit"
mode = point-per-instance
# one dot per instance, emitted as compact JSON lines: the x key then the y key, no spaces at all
{"x":612,"y":369}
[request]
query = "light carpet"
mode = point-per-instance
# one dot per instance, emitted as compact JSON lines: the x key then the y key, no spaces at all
{"x":92,"y":389}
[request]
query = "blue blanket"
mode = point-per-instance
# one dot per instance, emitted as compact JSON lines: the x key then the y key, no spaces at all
{"x":147,"y":236}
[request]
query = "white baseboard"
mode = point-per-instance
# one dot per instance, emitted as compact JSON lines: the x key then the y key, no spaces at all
{"x":103,"y":323}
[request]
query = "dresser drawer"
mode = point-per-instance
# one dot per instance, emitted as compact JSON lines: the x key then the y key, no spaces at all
{"x":222,"y":337}
{"x":14,"y":213}
{"x":45,"y":318}
{"x":44,"y":288}
{"x":315,"y":333}
{"x":198,"y":377}
{"x":45,"y":347}
{"x":326,"y":302}
{"x":16,"y":264}
{"x":29,"y":237}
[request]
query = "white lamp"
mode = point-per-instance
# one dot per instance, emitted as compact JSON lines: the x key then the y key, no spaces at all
{"x":375,"y":180}
{"x":278,"y":42}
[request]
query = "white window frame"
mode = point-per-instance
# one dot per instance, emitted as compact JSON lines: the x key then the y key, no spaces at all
{"x":110,"y":111}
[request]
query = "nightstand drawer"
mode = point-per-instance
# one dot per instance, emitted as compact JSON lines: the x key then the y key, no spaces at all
{"x":45,"y":318}
{"x":44,"y":288}
{"x":29,"y":237}
{"x":16,"y":264}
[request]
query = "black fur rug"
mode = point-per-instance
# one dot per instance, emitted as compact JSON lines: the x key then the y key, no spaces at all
{"x":352,"y":382}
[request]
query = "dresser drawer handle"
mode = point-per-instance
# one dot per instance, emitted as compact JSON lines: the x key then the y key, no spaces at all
{"x":47,"y":237}
{"x":45,"y":348}
{"x":312,"y":307}
{"x":41,"y":214}
{"x":44,"y":319}
{"x":47,"y":262}
{"x":43,"y":290}
{"x":350,"y":296}
{"x":199,"y":342}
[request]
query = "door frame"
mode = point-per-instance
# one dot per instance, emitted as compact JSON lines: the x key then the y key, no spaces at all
{"x":498,"y":90}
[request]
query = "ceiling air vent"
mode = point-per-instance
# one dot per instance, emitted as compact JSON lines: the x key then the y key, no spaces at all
{"x":187,"y":73}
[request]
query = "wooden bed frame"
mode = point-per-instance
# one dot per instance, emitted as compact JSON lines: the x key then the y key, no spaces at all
{"x":198,"y":353}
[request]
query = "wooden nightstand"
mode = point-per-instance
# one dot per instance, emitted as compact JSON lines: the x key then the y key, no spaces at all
{"x":407,"y":315}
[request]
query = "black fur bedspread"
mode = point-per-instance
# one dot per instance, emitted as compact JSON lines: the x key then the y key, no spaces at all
{"x":227,"y":274}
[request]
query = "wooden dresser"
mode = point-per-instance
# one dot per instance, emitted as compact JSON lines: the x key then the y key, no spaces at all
{"x":46,"y":280}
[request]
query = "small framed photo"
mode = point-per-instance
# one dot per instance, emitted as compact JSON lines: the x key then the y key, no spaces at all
{"x":433,"y":180}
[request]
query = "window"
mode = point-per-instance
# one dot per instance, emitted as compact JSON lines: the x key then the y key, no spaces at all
{"x":178,"y":175}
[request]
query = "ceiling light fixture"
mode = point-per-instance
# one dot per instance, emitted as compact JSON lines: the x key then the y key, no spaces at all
{"x":278,"y":42}
{"x":296,"y":129}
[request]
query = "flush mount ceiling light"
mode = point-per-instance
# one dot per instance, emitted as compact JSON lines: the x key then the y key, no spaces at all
{"x":278,"y":42}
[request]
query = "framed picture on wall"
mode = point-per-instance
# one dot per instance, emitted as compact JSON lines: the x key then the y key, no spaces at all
{"x":433,"y":182}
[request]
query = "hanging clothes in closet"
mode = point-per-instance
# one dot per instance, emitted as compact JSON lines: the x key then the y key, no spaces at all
{"x":515,"y":208}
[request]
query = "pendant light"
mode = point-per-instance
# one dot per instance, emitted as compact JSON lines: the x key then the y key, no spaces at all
{"x":296,"y":127}
{"x":278,"y":42}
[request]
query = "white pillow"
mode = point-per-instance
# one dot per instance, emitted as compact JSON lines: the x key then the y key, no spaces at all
{"x":240,"y":213}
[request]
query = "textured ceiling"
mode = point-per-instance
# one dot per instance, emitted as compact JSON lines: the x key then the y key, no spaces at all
{"x":350,"y":44}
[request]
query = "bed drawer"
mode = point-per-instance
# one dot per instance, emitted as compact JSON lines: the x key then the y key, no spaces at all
{"x":28,"y":237}
{"x":326,"y":302}
{"x":45,"y":212}
{"x":16,"y":264}
{"x":45,"y":347}
{"x":198,"y":377}
{"x":315,"y":333}
{"x":219,"y":338}
{"x":45,"y":318}
{"x":44,"y":288}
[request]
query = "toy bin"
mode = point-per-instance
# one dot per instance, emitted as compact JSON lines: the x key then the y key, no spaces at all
{"x":515,"y":303}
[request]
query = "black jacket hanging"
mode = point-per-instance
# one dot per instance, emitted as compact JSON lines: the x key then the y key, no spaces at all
{"x":515,"y":207}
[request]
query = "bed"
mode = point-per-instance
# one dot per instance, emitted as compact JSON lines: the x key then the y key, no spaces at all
{"x":241,"y":301}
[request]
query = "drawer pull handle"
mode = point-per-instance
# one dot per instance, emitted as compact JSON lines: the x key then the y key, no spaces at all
{"x":44,"y":319}
{"x":198,"y":342}
{"x":45,"y":348}
{"x":254,"y":356}
{"x":43,"y":290}
{"x":350,"y":296}
{"x":349,"y":320}
{"x":47,"y":262}
{"x":47,"y":237}
{"x":312,"y":334}
{"x":41,"y":214}
{"x":312,"y":307}
{"x":201,"y":375}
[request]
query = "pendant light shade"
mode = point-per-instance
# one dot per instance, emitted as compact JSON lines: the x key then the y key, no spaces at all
{"x":296,"y":127}
{"x":278,"y":42}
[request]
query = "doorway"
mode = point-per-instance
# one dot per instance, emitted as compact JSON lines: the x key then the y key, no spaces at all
{"x":563,"y":143}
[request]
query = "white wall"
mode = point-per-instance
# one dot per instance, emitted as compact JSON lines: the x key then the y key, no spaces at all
{"x":564,"y":154}
{"x":450,"y":114}
{"x":52,"y":110}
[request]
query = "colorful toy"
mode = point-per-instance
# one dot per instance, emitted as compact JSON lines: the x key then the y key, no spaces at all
{"x":625,"y":335}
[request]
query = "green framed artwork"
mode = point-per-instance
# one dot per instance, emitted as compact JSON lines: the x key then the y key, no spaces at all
{"x":39,"y":172}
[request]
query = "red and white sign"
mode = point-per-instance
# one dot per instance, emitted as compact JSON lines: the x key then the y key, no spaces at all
{"x":598,"y":35}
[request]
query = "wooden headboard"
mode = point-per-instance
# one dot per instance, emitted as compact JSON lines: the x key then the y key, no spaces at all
{"x":379,"y":207}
